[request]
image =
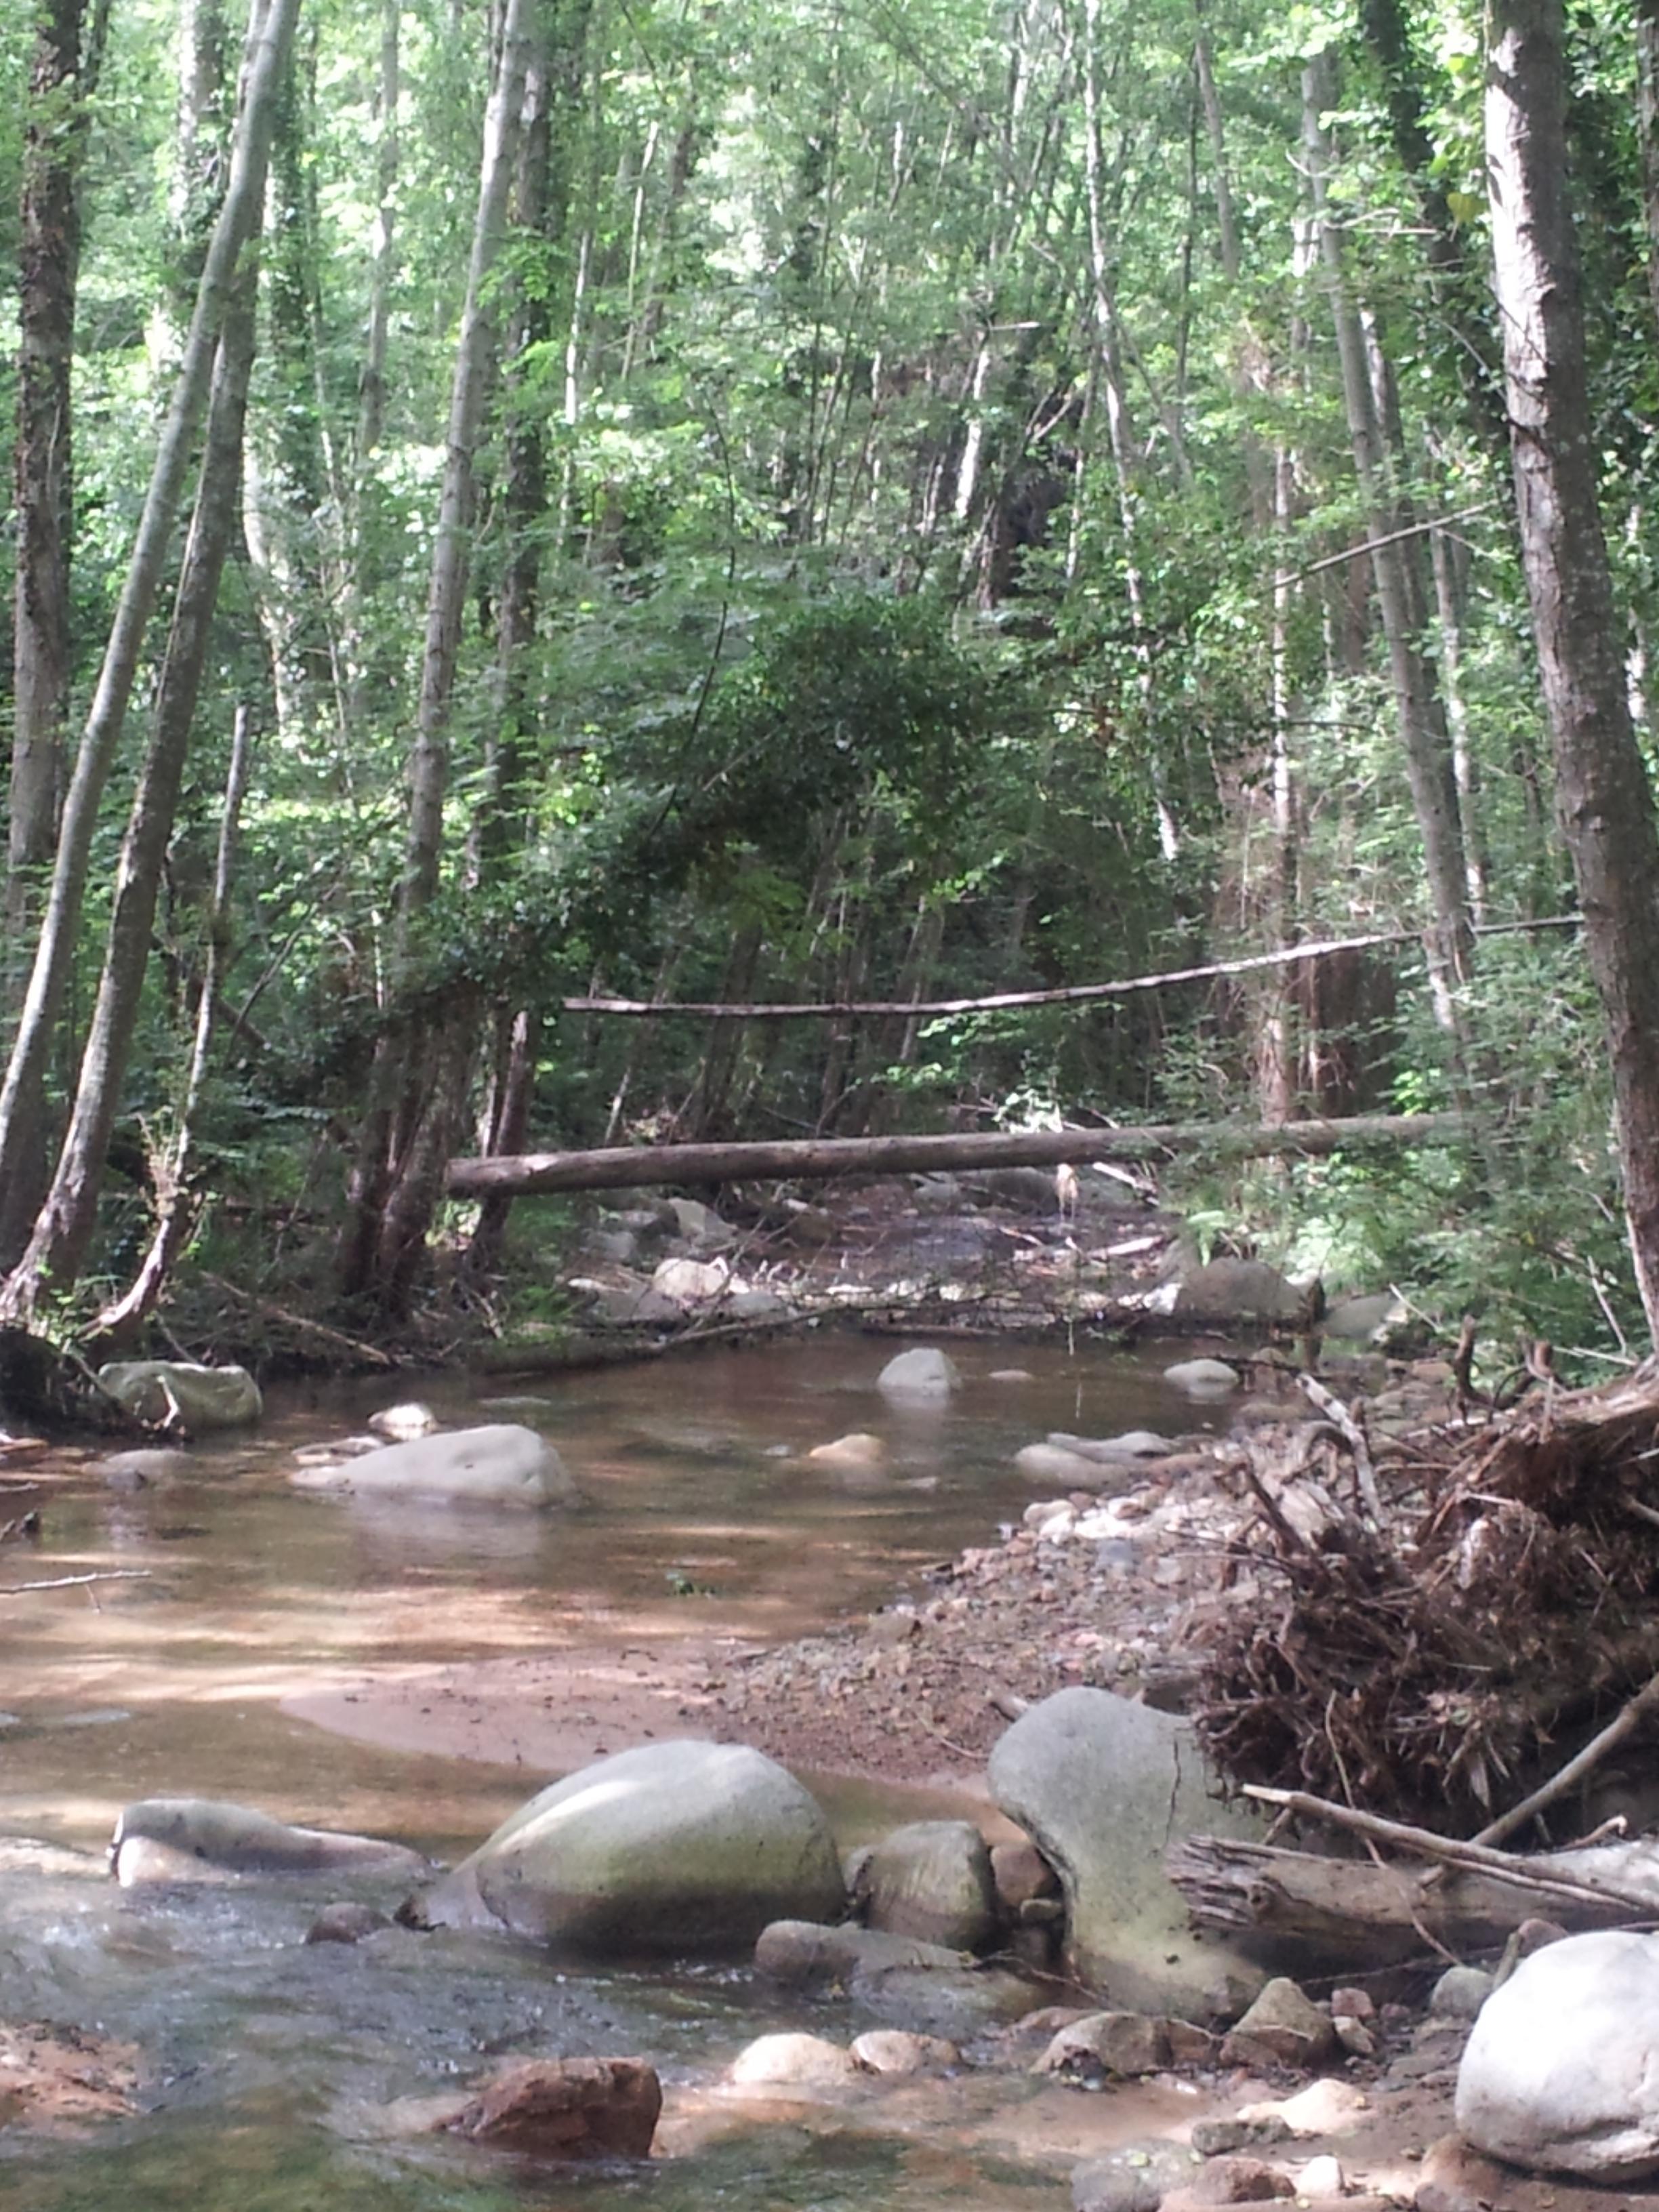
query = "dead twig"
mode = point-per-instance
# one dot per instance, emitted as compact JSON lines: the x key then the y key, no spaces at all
{"x":74,"y":1581}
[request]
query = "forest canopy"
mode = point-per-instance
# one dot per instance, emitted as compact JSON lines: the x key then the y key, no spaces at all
{"x":519,"y":501}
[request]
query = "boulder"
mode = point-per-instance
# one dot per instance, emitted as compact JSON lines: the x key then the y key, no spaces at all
{"x":500,"y":1464}
{"x":178,"y":1394}
{"x":691,"y":1282}
{"x":757,"y":1303}
{"x":1561,"y":2070}
{"x":810,"y":1955}
{"x":1134,"y":1444}
{"x":675,"y":1847}
{"x":860,"y":1450}
{"x":1021,"y":1874}
{"x":700,"y":1226}
{"x":400,"y":1424}
{"x":923,"y":1373}
{"x":346,"y":1922}
{"x":1365,"y":1320}
{"x":1102,"y":1787}
{"x":811,"y":2060}
{"x":202,"y":1839}
{"x":1074,"y":1470}
{"x":932,"y":1878}
{"x":576,"y":2108}
{"x":1127,"y":2180}
{"x":1459,"y":1993}
{"x":628,"y":1305}
{"x":894,"y":2050}
{"x":1229,"y":1290}
{"x":1283,"y":2028}
{"x":1203,"y":1378}
{"x":1109,"y":2043}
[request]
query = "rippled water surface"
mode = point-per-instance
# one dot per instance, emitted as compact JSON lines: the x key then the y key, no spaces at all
{"x":269,"y":2066}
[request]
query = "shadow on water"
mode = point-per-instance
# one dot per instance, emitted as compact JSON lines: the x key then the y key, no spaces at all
{"x":267,"y":2065}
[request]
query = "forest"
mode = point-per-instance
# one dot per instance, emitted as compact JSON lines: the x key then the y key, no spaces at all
{"x":529,"y":515}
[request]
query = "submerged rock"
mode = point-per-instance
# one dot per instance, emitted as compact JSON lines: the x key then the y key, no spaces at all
{"x":860,"y":1450}
{"x":204,"y":1838}
{"x":1104,"y":1786}
{"x":500,"y":1464}
{"x":1203,"y":1378}
{"x":812,"y":1954}
{"x":177,"y":1392}
{"x":402,"y":1424}
{"x":677,"y":1847}
{"x":1561,"y":2070}
{"x":924,"y":1372}
{"x":574,"y":2108}
{"x":896,"y":2051}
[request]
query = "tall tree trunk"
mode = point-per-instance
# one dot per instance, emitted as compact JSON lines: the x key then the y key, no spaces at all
{"x":1603,"y":799}
{"x":119,"y":1319}
{"x":63,"y":76}
{"x":63,"y":1228}
{"x":1400,"y":597}
{"x":386,"y":1226}
{"x":22,"y":1094}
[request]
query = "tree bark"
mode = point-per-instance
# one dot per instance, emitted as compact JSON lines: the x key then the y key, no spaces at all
{"x":1603,"y":799}
{"x":64,"y":1227}
{"x":1423,"y":735}
{"x":1348,"y":1910}
{"x":632,"y":1166}
{"x":269,"y":30}
{"x":393,"y":1146}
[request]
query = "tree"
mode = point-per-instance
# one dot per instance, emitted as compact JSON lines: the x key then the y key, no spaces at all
{"x":1603,"y":799}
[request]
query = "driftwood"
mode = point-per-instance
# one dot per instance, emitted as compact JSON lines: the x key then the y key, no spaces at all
{"x":1351,"y":1912}
{"x":630,"y":1166}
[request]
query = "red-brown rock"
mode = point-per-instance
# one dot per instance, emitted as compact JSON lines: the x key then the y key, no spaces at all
{"x":567,"y":2108}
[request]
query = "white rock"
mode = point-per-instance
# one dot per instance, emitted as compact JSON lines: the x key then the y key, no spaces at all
{"x":1050,"y":1464}
{"x":1561,"y":2070}
{"x":894,"y":2051}
{"x":1321,"y":2176}
{"x":400,"y":1424}
{"x":1202,"y":1379}
{"x":1011,"y":1374}
{"x":923,"y":1373}
{"x":500,"y":1464}
{"x":859,"y":1449}
{"x":811,"y":2060}
{"x":1134,"y":1444}
{"x":177,"y":1391}
{"x":691,"y":1282}
{"x":201,"y":1839}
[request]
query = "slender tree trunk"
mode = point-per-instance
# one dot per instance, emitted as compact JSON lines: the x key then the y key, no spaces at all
{"x":1603,"y":799}
{"x":1417,"y":709}
{"x":121,"y":1319}
{"x":63,"y":1228}
{"x":378,"y":1253}
{"x":22,"y":1094}
{"x":63,"y":75}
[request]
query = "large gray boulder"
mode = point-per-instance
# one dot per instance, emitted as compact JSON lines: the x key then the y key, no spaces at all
{"x":1561,"y":2070}
{"x":205,"y":1839}
{"x":1228,"y":1290}
{"x":1103,"y":1787}
{"x":922,"y":1376}
{"x":500,"y":1464}
{"x":675,"y":1847}
{"x":932,"y":1879}
{"x":178,"y":1393}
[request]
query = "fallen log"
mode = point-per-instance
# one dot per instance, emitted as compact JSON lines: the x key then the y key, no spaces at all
{"x":1354,"y":1912}
{"x":814,"y":1158}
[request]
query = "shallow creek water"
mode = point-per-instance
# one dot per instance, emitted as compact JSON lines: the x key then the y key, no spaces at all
{"x":268,"y":2066}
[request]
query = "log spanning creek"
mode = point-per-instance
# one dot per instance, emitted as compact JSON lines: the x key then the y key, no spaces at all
{"x":416,"y":1672}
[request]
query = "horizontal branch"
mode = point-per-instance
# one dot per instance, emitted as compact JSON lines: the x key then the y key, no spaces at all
{"x":77,"y":1581}
{"x":1003,"y":1002}
{"x":813,"y":1158}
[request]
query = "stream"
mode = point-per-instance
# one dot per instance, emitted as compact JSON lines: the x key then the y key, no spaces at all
{"x":270,"y":2069}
